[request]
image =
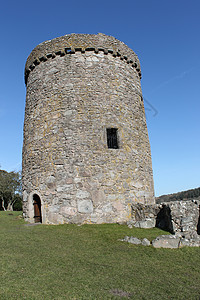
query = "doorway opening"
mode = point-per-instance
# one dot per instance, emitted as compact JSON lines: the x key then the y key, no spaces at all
{"x":37,"y":209}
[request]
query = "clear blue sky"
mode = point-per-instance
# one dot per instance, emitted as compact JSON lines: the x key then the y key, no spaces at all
{"x":165,"y":34}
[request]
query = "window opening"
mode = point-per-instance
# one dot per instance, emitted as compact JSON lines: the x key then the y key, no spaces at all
{"x":112,"y":140}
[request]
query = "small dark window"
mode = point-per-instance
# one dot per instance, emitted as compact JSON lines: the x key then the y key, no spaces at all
{"x":112,"y":138}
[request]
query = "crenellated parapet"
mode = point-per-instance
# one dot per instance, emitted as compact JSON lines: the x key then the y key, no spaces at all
{"x":71,"y":43}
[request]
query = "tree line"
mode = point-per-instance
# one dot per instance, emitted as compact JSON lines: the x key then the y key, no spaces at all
{"x":184,"y":195}
{"x":10,"y":190}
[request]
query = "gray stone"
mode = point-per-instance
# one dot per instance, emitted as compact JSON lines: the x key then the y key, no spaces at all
{"x":85,"y":206}
{"x":107,"y":208}
{"x":194,"y":235}
{"x":149,"y":223}
{"x":194,"y":243}
{"x":166,"y":241}
{"x":68,"y":113}
{"x":178,"y":234}
{"x":186,"y":235}
{"x":186,"y":220}
{"x":146,"y":242}
{"x":185,"y":228}
{"x":64,"y":188}
{"x":184,"y":242}
{"x":93,"y":218}
{"x":134,"y":240}
{"x":126,"y":238}
{"x":178,"y":217}
{"x":82,"y":194}
{"x":50,"y":181}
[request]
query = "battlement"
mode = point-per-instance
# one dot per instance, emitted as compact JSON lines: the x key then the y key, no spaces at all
{"x":72,"y":43}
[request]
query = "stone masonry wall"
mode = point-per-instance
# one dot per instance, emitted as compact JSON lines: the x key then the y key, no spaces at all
{"x":181,"y":218}
{"x":77,"y":87}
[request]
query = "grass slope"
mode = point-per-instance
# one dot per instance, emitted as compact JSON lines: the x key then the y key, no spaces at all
{"x":89,"y":262}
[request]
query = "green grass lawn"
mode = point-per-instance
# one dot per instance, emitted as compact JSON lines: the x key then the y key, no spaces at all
{"x":89,"y":262}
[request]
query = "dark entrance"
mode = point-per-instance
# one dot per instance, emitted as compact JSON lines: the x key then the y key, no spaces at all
{"x":37,"y":209}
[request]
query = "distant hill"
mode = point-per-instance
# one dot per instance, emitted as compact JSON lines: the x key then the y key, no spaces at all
{"x":184,"y":195}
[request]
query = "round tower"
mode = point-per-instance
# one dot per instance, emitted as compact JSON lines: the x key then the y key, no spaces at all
{"x":86,"y":152}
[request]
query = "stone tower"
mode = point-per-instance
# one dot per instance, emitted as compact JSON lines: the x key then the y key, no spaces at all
{"x":86,"y":152}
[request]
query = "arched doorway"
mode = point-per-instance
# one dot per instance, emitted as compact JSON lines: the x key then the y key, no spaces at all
{"x":37,"y":209}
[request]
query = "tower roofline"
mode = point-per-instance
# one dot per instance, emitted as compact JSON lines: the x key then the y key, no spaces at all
{"x":71,"y":43}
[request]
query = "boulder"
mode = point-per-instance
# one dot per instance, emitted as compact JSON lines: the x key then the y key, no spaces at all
{"x":145,"y":242}
{"x":166,"y":241}
{"x":134,"y":240}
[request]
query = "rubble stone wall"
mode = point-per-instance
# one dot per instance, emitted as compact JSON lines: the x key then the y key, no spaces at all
{"x":77,"y":87}
{"x":178,"y":217}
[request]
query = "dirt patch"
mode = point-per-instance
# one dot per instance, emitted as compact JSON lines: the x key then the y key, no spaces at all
{"x":120,"y":293}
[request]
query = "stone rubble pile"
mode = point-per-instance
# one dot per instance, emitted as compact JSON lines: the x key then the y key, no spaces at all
{"x":164,"y":241}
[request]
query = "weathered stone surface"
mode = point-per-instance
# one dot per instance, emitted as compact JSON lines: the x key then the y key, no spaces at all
{"x":184,"y":242}
{"x":192,"y":242}
{"x":82,"y":194}
{"x":85,"y":206}
{"x":134,"y":240}
{"x":146,"y":242}
{"x":126,"y":238}
{"x":149,"y":223}
{"x":130,"y":226}
{"x":195,"y":243}
{"x":166,"y":241}
{"x":78,"y":86}
{"x":181,"y":218}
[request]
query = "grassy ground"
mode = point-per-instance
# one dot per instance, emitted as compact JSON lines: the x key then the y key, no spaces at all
{"x":88,"y":262}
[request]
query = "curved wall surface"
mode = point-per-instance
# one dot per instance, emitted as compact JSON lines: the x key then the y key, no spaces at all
{"x":86,"y":151}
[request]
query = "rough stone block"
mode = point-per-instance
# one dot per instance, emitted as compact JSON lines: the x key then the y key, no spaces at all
{"x":82,"y":194}
{"x":107,"y":208}
{"x":149,"y":223}
{"x":68,"y":211}
{"x":134,"y":240}
{"x":146,"y":242}
{"x":85,"y":206}
{"x":166,"y":241}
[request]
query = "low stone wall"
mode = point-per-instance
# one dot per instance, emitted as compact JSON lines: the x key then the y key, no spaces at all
{"x":178,"y":217}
